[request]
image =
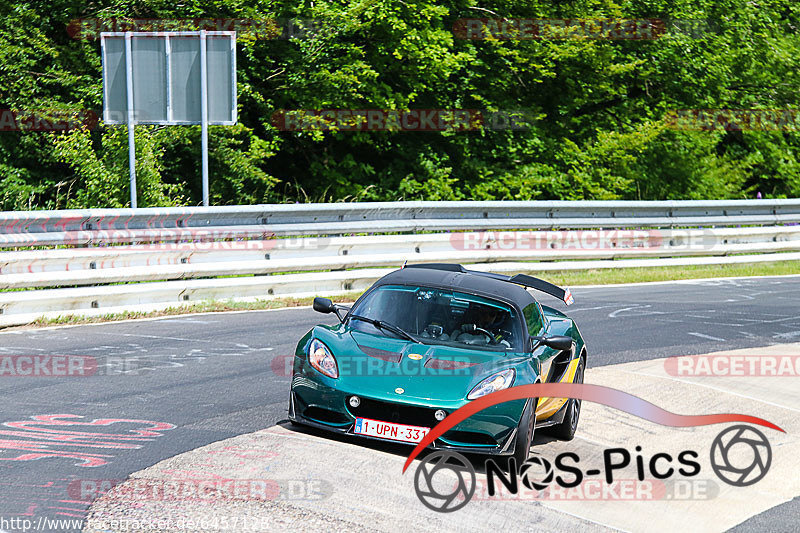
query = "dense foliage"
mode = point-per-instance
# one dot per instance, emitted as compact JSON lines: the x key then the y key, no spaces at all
{"x":599,"y":105}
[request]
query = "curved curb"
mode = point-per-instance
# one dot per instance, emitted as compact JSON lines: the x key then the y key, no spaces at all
{"x":321,"y":482}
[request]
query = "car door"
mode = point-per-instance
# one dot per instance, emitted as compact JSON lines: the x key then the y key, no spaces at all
{"x":536,"y":323}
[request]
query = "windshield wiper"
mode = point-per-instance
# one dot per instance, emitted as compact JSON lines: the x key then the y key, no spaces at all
{"x":380,"y":324}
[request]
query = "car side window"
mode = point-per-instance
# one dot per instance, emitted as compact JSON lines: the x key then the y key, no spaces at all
{"x":533,"y":319}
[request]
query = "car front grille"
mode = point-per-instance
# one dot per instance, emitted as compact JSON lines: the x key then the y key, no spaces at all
{"x":394,"y":412}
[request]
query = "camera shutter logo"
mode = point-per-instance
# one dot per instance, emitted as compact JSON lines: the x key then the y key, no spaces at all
{"x":734,"y":470}
{"x":527,"y":469}
{"x":454,"y":497}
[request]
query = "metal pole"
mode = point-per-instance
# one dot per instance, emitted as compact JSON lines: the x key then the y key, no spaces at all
{"x":131,"y":144}
{"x":168,"y":53}
{"x":204,"y":113}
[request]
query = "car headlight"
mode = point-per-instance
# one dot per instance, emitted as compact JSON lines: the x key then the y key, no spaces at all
{"x":322,"y":359}
{"x":495,"y":382}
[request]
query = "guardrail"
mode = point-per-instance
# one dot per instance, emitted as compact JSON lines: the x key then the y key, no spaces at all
{"x":92,"y":226}
{"x":176,"y":249}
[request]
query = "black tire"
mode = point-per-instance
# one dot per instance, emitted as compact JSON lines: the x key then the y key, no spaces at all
{"x":566,"y":429}
{"x":525,"y":431}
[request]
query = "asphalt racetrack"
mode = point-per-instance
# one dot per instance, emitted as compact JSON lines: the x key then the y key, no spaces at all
{"x":185,"y":382}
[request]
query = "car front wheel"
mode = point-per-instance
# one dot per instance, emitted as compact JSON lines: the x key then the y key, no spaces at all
{"x":566,"y":429}
{"x":525,"y":431}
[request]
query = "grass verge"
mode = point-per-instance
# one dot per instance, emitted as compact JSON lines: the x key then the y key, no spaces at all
{"x":213,"y":306}
{"x":560,"y":277}
{"x":606,"y":276}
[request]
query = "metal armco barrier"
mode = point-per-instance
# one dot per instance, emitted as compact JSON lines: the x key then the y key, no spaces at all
{"x":341,"y":218}
{"x":99,"y":248}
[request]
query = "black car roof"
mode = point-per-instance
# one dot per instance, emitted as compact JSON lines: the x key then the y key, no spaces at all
{"x":440,"y":276}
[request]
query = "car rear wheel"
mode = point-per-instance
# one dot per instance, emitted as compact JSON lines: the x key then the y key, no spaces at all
{"x":525,"y":431}
{"x":566,"y":429}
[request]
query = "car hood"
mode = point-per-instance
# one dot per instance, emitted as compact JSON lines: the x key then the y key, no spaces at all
{"x":404,"y":371}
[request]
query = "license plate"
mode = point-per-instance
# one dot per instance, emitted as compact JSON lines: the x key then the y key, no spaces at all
{"x":388,"y":430}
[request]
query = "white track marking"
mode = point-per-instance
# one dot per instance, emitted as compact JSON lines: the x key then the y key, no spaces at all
{"x":591,"y":308}
{"x":771,"y":321}
{"x":726,"y":391}
{"x":164,"y":337}
{"x":709,"y":337}
{"x":193,"y":321}
{"x":605,"y":444}
{"x":787,"y":335}
{"x":637,"y":308}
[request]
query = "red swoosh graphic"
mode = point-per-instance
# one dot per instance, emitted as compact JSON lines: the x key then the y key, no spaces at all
{"x":590,"y":393}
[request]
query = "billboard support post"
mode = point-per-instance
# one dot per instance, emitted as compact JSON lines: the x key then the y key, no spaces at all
{"x":204,"y":112}
{"x":129,"y":96}
{"x":169,"y":79}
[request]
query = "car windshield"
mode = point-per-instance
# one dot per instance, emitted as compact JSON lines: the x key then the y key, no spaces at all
{"x":437,"y":316}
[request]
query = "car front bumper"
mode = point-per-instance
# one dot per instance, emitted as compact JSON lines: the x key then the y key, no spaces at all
{"x":315,"y":403}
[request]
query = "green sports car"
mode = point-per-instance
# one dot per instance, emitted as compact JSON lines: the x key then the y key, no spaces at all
{"x":427,"y":339}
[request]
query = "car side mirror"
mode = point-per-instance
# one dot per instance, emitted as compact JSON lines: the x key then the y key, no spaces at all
{"x":323,"y":305}
{"x":558,"y":342}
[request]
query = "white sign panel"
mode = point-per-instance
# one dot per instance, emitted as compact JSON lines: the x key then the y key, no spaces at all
{"x":166,"y":77}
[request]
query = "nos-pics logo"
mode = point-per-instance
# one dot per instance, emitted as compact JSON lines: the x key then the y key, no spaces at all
{"x":445,"y":481}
